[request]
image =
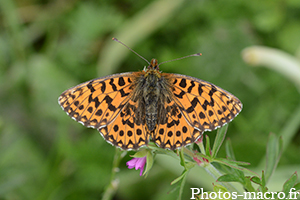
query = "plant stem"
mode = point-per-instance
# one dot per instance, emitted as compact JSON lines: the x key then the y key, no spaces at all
{"x":112,"y":187}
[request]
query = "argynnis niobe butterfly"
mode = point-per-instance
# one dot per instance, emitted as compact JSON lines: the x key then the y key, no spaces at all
{"x":129,"y":109}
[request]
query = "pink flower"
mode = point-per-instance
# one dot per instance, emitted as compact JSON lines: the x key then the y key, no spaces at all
{"x":138,"y":163}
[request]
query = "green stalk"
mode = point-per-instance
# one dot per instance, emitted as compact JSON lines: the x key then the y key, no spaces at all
{"x":112,"y":187}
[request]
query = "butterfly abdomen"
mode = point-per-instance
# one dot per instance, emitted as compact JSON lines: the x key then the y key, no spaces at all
{"x":151,"y":92}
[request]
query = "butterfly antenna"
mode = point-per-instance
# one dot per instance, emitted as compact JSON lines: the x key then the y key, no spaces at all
{"x":115,"y":39}
{"x":196,"y":54}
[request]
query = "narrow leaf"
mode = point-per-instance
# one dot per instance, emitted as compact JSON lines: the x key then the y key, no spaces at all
{"x":289,"y":184}
{"x":274,"y":151}
{"x":229,"y":150}
{"x":219,"y":140}
{"x":207,"y":146}
{"x":228,"y":178}
{"x":179,"y":178}
{"x":297,"y":186}
{"x":183,"y":180}
{"x":181,"y":155}
{"x":149,"y":162}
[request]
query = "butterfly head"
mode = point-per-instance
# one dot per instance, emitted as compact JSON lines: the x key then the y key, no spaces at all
{"x":153,"y":68}
{"x":153,"y":65}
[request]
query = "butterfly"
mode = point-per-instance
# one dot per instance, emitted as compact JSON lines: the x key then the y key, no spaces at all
{"x":130,"y":109}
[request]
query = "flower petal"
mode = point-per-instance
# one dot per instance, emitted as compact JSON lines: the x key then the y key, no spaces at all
{"x":137,"y":163}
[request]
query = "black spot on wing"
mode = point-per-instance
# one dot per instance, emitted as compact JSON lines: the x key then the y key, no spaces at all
{"x":182,"y":83}
{"x":121,"y":81}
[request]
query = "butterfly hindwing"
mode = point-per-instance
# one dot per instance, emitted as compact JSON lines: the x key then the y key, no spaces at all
{"x":126,"y":131}
{"x":173,"y":130}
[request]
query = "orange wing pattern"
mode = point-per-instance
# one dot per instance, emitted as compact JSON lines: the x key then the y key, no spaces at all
{"x":204,"y":105}
{"x":173,"y":130}
{"x":105,"y":104}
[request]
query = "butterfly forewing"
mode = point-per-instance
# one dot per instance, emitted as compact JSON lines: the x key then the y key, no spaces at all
{"x":204,"y":105}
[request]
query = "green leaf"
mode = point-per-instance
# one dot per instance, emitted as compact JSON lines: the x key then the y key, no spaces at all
{"x":274,"y":151}
{"x":290,"y":183}
{"x":230,"y":162}
{"x":247,"y":185}
{"x":256,"y":180}
{"x":235,"y":176}
{"x":184,"y":173}
{"x":263,"y":179}
{"x":228,"y":178}
{"x":181,"y":180}
{"x":219,"y":140}
{"x":140,"y":154}
{"x":234,"y":164}
{"x":181,"y":155}
{"x":229,"y":151}
{"x":207,"y":146}
{"x":182,"y":183}
{"x":263,"y":187}
{"x":297,"y":186}
{"x":159,"y":150}
{"x":149,"y":162}
{"x":240,"y":175}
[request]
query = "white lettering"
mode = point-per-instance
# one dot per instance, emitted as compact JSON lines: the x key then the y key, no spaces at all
{"x":219,"y":194}
{"x":193,"y":192}
{"x":273,"y":193}
{"x":234,"y":195}
{"x":260,"y":195}
{"x":250,"y":196}
{"x":265,"y":195}
{"x":280,"y":194}
{"x":228,"y":195}
{"x":293,"y":195}
{"x":198,"y":193}
{"x":213,"y":193}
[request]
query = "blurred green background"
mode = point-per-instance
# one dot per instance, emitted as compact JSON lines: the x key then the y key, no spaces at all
{"x":47,"y":47}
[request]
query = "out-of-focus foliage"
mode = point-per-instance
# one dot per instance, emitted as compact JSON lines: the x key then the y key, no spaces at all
{"x":49,"y":46}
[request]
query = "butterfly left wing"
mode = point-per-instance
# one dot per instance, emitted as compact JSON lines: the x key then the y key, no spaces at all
{"x":100,"y":104}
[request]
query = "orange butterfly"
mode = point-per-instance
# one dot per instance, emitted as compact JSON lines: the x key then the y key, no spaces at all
{"x":129,"y":109}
